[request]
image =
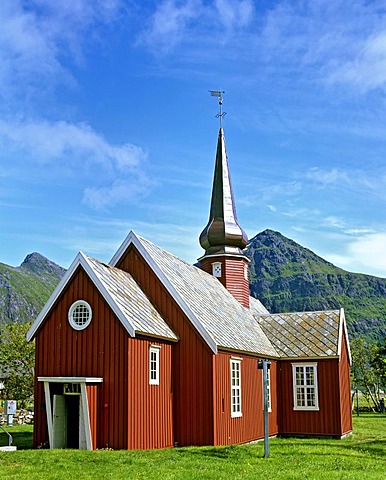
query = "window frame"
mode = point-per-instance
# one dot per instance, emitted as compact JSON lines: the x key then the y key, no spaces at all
{"x":235,"y":389}
{"x":154,"y":349}
{"x":217,"y":269}
{"x":304,"y":386}
{"x":71,"y":310}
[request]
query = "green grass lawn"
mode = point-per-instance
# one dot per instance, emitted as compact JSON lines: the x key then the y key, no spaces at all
{"x":360,"y":456}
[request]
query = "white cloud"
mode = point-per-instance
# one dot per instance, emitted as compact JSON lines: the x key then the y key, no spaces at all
{"x":174,"y":22}
{"x":365,"y":254}
{"x":233,"y":13}
{"x":332,"y":221}
{"x":79,"y":147}
{"x":328,"y":177}
{"x":36,"y":38}
{"x":368,"y":69}
{"x":121,"y":191}
{"x":49,"y":141}
{"x":340,"y":41}
{"x":169,"y":23}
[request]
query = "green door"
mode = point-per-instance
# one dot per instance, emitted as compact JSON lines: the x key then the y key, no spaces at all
{"x":59,"y":422}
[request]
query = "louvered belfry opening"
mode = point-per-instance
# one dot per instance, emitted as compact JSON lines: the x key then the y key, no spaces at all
{"x":223,"y":239}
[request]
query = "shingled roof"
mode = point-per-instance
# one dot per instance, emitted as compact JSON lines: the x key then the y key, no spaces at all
{"x":125,"y":297}
{"x":218,"y":316}
{"x":304,"y":334}
{"x":220,"y":319}
{"x":132,"y":302}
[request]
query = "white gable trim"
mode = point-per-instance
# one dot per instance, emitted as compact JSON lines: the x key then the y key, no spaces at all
{"x":343,"y":331}
{"x":80,"y":260}
{"x":133,"y":239}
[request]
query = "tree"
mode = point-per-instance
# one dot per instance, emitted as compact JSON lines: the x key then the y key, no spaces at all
{"x":378,"y":362}
{"x":368,"y":369}
{"x":17,"y":358}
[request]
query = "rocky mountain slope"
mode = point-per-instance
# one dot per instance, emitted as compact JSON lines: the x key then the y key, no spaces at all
{"x":287,"y":277}
{"x":25,"y":289}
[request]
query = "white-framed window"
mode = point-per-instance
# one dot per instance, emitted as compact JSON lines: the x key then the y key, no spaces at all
{"x":80,"y":314}
{"x":154,"y":364}
{"x":268,"y":389}
{"x":305,"y":386}
{"x":235,"y":367}
{"x":216,"y":269}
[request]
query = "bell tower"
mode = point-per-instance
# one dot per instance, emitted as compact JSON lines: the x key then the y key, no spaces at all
{"x":223,"y":239}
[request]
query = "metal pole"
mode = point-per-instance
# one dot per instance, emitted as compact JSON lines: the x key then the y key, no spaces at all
{"x":10,"y":439}
{"x":265,"y":391}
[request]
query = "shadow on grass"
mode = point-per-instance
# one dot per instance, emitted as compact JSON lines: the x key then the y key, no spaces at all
{"x":345,"y":447}
{"x":22,"y":440}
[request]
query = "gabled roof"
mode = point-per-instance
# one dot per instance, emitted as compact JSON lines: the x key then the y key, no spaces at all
{"x":135,"y":311}
{"x":305,"y":334}
{"x":256,"y":306}
{"x":220,"y":319}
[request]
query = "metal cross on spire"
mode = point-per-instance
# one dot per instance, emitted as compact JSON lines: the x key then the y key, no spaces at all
{"x":218,"y":94}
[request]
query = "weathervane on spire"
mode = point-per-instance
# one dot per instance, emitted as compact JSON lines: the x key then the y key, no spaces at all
{"x":218,"y":94}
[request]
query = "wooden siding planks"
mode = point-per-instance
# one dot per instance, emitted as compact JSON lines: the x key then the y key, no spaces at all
{"x":232,"y":276}
{"x":345,"y":389}
{"x":250,"y":426}
{"x":92,"y":398}
{"x":192,"y":359}
{"x":150,"y":420}
{"x":325,"y":421}
{"x":93,"y":352}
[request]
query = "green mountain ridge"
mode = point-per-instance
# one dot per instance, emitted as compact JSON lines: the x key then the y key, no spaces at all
{"x":287,"y":277}
{"x":25,"y":289}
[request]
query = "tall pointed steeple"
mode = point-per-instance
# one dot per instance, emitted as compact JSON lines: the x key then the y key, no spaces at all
{"x":223,"y":239}
{"x":222,"y":234}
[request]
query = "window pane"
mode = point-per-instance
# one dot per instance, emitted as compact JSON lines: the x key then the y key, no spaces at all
{"x":299,"y":376}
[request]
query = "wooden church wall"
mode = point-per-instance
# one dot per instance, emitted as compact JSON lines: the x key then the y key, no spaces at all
{"x":345,"y":389}
{"x":191,"y":359}
{"x":150,"y":414}
{"x":125,"y":411}
{"x":325,"y":421}
{"x":100,"y":350}
{"x":250,"y":426}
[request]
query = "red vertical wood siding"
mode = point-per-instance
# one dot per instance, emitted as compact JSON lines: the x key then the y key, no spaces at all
{"x":250,"y":426}
{"x":232,"y":276}
{"x":325,"y":421}
{"x":345,"y":388}
{"x":104,"y":349}
{"x":92,"y":398}
{"x":192,"y":386}
{"x":101,"y":350}
{"x":150,"y":414}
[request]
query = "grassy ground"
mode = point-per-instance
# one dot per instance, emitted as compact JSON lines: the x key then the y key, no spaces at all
{"x":360,"y":456}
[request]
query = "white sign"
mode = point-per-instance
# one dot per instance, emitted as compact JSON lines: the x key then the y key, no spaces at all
{"x":10,"y":407}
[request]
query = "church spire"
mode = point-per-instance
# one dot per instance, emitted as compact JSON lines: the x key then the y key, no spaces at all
{"x":223,"y":239}
{"x":222,"y":234}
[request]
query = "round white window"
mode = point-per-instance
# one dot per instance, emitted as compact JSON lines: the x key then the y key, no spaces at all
{"x":80,"y":315}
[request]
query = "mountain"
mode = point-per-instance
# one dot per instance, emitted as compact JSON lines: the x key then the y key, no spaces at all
{"x":25,"y":289}
{"x":287,"y":277}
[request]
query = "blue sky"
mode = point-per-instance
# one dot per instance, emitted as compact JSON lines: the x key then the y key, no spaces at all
{"x":107,"y":126}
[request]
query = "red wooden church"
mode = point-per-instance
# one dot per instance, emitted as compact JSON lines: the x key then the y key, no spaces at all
{"x":151,"y":352}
